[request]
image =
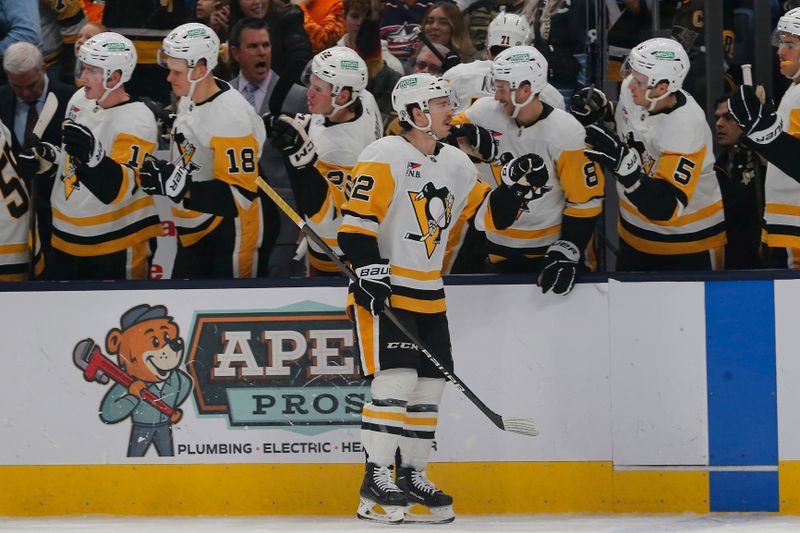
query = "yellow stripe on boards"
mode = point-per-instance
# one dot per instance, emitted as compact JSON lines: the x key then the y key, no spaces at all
{"x":661,"y":492}
{"x":294,"y":489}
{"x":789,"y":487}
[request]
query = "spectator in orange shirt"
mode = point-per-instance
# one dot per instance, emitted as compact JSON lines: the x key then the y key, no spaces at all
{"x":324,"y":22}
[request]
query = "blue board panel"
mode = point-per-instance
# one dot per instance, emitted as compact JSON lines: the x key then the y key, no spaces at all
{"x":740,"y":350}
{"x":742,"y":400}
{"x":739,"y":492}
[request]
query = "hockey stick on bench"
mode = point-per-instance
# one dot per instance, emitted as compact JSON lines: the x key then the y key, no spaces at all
{"x":524,"y":426}
{"x":48,"y":112}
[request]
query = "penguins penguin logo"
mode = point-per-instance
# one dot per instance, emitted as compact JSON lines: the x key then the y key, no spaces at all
{"x":433,"y":209}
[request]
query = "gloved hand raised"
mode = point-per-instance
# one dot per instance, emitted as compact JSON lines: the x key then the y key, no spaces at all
{"x":290,"y":135}
{"x":37,"y":159}
{"x":608,"y":150}
{"x":81,"y":144}
{"x":590,"y":105}
{"x":162,"y":178}
{"x":758,"y":121}
{"x":527,"y":171}
{"x":475,"y":141}
{"x":373,"y":288}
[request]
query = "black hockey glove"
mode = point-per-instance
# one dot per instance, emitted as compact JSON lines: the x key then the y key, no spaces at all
{"x":559,"y":266}
{"x":590,"y":105}
{"x":162,"y":178}
{"x":759,"y":122}
{"x":526,"y":171}
{"x":290,"y":135}
{"x":451,"y":59}
{"x":373,"y":288}
{"x":37,"y":159}
{"x":608,"y":150}
{"x":81,"y":144}
{"x":475,"y":141}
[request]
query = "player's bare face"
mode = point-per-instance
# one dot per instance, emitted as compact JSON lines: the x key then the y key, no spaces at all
{"x":92,"y":78}
{"x":789,"y":54}
{"x":319,"y":96}
{"x":638,"y":88}
{"x":502,"y":93}
{"x":441,"y":114}
{"x":178,"y":76}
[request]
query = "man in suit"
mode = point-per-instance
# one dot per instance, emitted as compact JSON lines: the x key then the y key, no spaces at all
{"x":21,"y":102}
{"x":251,"y":49}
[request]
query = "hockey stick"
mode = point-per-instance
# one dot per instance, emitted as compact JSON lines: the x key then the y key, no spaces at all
{"x":427,"y":42}
{"x":747,"y":79}
{"x":47,"y":114}
{"x":524,"y":426}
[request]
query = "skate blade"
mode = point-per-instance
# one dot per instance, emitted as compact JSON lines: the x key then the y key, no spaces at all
{"x":392,"y":514}
{"x":437,"y":515}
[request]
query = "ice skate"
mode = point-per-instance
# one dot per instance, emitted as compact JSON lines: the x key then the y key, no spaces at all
{"x":379,"y":489}
{"x":419,"y":490}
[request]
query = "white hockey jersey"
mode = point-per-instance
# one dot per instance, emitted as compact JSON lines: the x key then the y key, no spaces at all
{"x":14,"y":219}
{"x":575,"y":186}
{"x":676,"y":146}
{"x":471,"y":81}
{"x":82,"y":224}
{"x":224,"y":137}
{"x":408,"y":201}
{"x":338,"y":147}
{"x":782,"y":193}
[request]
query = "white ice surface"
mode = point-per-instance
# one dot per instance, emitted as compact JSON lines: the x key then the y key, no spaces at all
{"x":623,"y":523}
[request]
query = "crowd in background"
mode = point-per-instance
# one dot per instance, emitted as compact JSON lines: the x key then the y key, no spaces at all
{"x":389,"y":36}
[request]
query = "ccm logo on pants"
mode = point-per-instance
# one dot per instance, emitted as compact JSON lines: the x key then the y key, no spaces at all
{"x":401,"y":346}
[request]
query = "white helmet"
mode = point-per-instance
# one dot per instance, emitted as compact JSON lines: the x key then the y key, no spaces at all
{"x":517,"y":65}
{"x":419,"y":89}
{"x":659,"y":59}
{"x":341,"y":67}
{"x":788,"y":23}
{"x":111,"y":52}
{"x":508,"y":29}
{"x":192,"y":42}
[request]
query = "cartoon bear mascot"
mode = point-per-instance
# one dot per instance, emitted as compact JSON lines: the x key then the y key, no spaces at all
{"x":149,"y":348}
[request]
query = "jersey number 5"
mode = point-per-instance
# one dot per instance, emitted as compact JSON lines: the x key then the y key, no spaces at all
{"x":7,"y":189}
{"x":683,"y":172}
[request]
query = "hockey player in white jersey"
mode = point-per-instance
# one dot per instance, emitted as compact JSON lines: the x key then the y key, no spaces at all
{"x":323,"y":147}
{"x":556,"y":224}
{"x":776,"y":136}
{"x":670,"y":213}
{"x":102,"y":221}
{"x":15,"y":223}
{"x":217,"y":139}
{"x":473,"y":80}
{"x":407,"y":192}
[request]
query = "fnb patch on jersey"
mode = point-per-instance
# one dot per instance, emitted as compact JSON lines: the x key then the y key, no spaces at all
{"x":412,"y":170}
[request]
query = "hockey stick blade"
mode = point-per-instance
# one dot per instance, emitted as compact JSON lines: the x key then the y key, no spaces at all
{"x":523,"y":426}
{"x":47,"y":114}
